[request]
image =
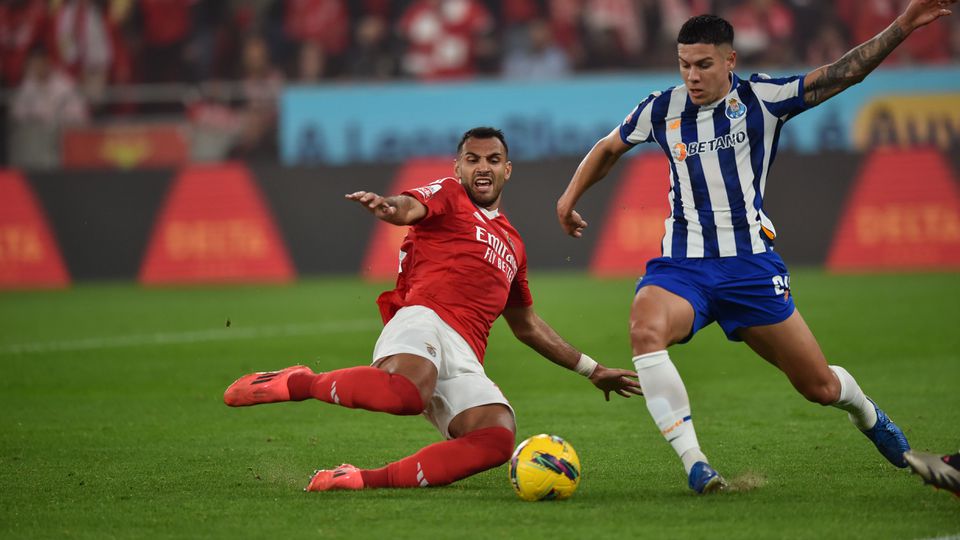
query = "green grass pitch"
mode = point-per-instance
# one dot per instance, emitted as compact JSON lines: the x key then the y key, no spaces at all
{"x":113,"y":425}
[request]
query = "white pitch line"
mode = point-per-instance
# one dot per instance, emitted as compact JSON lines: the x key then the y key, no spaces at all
{"x":197,"y":336}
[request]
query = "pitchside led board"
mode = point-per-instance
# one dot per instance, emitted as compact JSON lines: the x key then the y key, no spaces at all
{"x":29,"y":254}
{"x":392,"y":123}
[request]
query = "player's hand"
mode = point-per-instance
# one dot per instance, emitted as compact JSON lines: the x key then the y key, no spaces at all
{"x":377,"y":205}
{"x":615,"y":380}
{"x":922,"y":12}
{"x":570,"y":220}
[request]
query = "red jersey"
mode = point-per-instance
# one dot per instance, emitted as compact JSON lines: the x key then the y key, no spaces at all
{"x":460,"y":262}
{"x":442,"y":38}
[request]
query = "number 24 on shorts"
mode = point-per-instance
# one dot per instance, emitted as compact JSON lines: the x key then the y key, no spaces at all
{"x":781,"y":285}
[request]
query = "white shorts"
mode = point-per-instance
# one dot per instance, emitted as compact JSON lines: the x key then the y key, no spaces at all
{"x":461,"y":382}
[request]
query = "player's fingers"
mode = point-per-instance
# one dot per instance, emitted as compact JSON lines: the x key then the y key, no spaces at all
{"x":355,"y":195}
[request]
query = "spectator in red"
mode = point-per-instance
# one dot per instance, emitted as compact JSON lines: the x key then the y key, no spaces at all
{"x":83,"y":45}
{"x":614,"y":32}
{"x":165,"y":30}
{"x":514,"y":17}
{"x":324,"y":22}
{"x":445,"y":39}
{"x":23,"y":24}
{"x":867,"y":18}
{"x":47,"y":95}
{"x":673,"y":13}
{"x":764,"y":30}
{"x":303,"y":30}
{"x":118,"y":18}
{"x":565,"y":21}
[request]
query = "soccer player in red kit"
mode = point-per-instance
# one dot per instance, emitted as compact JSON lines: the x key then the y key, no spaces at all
{"x":462,"y":265}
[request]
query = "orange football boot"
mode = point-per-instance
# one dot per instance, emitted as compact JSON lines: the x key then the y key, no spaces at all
{"x":345,"y":476}
{"x":262,"y":387}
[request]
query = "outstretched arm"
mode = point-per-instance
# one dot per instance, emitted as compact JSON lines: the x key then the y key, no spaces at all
{"x":827,"y":81}
{"x":398,"y":209}
{"x":539,"y":336}
{"x":592,"y":169}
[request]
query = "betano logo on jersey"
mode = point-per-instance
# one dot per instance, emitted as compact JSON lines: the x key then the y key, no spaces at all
{"x":683,"y":150}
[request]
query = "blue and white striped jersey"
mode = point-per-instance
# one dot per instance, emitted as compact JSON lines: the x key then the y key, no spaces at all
{"x":720,"y":156}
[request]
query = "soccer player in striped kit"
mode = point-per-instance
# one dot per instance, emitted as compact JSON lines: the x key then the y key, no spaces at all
{"x":719,"y":133}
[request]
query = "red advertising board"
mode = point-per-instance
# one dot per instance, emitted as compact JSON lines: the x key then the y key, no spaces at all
{"x":903,"y":213}
{"x":125,"y":147}
{"x":29,"y":256}
{"x":215,"y":228}
{"x":382,"y":259}
{"x":633,"y":226}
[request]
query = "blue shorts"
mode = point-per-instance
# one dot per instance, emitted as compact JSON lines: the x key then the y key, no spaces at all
{"x":737,"y":292}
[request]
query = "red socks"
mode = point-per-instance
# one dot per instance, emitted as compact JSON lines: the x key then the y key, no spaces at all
{"x":373,"y":389}
{"x":445,"y":462}
{"x":360,"y":387}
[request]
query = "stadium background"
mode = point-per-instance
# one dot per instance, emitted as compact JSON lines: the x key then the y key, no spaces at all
{"x":176,"y":141}
{"x":198,"y":145}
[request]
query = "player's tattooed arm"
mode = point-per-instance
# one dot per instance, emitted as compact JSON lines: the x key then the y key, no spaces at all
{"x":396,"y":209}
{"x":827,"y":81}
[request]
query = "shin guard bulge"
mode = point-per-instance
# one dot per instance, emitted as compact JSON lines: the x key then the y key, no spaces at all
{"x":668,"y":404}
{"x":446,"y":462}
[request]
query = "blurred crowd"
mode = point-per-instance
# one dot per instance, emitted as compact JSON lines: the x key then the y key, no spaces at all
{"x":65,"y":59}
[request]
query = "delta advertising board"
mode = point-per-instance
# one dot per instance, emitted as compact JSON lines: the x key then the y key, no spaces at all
{"x":337,"y":125}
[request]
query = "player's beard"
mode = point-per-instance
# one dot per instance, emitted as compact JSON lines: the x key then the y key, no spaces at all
{"x":485,"y":200}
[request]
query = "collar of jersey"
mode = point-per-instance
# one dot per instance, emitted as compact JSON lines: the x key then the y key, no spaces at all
{"x":489,"y":213}
{"x":734,"y":81}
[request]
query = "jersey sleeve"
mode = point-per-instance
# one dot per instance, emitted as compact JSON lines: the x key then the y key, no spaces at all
{"x":520,"y":289}
{"x":637,"y":127}
{"x":438,"y":196}
{"x":783,"y":97}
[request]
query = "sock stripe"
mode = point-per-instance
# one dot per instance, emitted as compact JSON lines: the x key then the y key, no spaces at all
{"x":420,"y":478}
{"x":676,"y":424}
{"x":333,"y":393}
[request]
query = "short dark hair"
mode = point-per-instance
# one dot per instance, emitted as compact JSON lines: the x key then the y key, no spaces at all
{"x":708,"y":29}
{"x":484,"y":133}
